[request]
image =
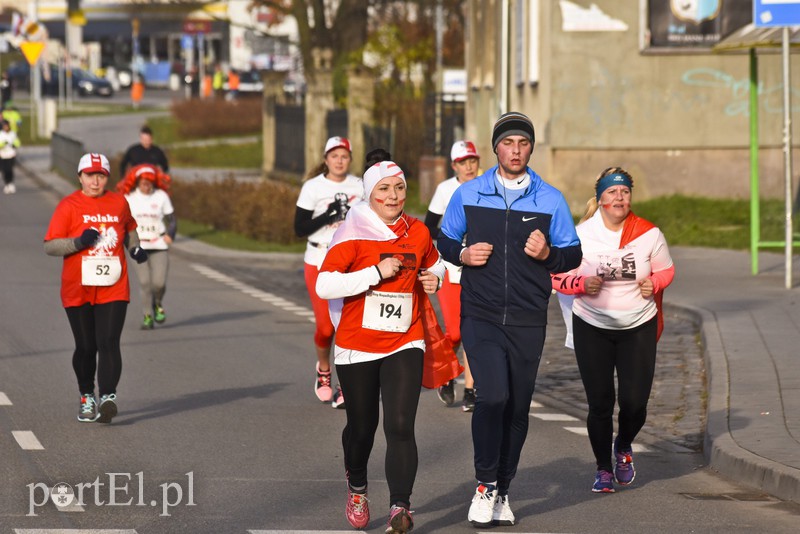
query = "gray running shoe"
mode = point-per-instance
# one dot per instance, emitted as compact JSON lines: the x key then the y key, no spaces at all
{"x":87,"y":413}
{"x":108,"y":408}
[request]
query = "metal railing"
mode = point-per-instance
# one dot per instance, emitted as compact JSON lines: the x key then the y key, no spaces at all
{"x":65,"y":152}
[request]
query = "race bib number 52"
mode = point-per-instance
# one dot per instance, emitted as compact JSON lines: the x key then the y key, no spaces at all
{"x":100,"y":270}
{"x":387,"y":312}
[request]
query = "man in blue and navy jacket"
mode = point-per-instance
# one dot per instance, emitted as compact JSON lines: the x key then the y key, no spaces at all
{"x":510,"y":230}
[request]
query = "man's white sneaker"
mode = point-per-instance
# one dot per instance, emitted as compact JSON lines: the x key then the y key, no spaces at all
{"x":481,"y":511}
{"x":502,"y":516}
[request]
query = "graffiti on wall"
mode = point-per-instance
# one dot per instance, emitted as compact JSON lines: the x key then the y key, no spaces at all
{"x":770,"y":97}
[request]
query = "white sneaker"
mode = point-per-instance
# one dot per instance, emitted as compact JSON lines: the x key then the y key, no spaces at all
{"x":502,"y":516}
{"x":5,"y":189}
{"x":12,"y":188}
{"x":481,"y":511}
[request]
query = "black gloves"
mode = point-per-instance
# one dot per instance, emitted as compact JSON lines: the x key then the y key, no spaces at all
{"x":139,"y":254}
{"x":337,"y":210}
{"x":334,"y":211}
{"x":87,"y":239}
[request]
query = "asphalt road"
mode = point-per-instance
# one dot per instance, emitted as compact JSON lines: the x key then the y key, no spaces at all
{"x":219,"y":431}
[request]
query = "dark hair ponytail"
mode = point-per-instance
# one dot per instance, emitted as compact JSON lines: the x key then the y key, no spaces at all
{"x":376,"y":156}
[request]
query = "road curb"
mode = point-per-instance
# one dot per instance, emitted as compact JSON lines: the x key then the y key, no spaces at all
{"x":720,"y":449}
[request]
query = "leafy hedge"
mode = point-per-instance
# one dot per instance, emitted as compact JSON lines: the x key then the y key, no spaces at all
{"x":202,"y":119}
{"x":263,"y":211}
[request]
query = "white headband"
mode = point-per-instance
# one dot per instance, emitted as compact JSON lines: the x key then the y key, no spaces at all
{"x":379,"y":171}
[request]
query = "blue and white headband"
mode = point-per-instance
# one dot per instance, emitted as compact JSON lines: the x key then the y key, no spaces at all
{"x":611,"y":180}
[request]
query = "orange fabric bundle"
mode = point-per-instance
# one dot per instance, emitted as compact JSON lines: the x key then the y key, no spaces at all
{"x":441,"y":363}
{"x":161,"y":179}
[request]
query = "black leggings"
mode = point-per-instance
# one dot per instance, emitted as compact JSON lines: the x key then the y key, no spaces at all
{"x":394,"y":381}
{"x":7,"y":169}
{"x":97,"y":330}
{"x":632,"y":353}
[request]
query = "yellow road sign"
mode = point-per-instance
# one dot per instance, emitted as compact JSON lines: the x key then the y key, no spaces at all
{"x":32,"y":50}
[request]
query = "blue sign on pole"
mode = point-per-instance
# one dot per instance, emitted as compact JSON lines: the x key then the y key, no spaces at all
{"x":187,"y":42}
{"x":776,"y":13}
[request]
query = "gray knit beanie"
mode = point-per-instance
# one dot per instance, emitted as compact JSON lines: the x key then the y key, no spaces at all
{"x":512,"y":123}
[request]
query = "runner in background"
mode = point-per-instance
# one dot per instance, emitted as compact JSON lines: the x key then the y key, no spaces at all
{"x":145,"y":151}
{"x":9,"y":142}
{"x":466,"y":164}
{"x":90,"y":229}
{"x":233,"y":85}
{"x":145,"y":188}
{"x":218,"y":82}
{"x":324,"y":200}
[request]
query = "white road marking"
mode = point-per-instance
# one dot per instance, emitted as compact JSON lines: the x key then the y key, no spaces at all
{"x":554,"y":417}
{"x":73,"y":507}
{"x":71,"y":531}
{"x":269,"y":298}
{"x":535,"y":404}
{"x":27,"y":440}
{"x":4,"y":400}
{"x":277,"y":301}
{"x":317,"y":532}
{"x":582,"y":430}
{"x":300,"y":531}
{"x":639,"y":448}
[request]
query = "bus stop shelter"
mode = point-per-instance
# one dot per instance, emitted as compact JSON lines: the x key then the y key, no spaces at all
{"x":752,"y":38}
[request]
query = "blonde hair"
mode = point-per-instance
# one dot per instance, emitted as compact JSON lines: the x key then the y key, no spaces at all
{"x":591,"y":204}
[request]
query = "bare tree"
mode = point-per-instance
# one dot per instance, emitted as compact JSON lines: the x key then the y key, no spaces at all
{"x":343,"y":29}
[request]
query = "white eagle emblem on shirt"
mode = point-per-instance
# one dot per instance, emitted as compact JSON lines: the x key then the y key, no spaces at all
{"x":105,"y":246}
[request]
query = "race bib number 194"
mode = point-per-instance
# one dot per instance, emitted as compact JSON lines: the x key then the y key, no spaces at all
{"x":387,"y":312}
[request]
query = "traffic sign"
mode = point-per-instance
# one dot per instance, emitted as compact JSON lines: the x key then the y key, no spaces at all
{"x":187,"y":42}
{"x":32,"y":50}
{"x":776,"y":13}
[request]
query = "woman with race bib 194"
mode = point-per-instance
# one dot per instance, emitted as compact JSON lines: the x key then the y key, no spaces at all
{"x":379,"y":263}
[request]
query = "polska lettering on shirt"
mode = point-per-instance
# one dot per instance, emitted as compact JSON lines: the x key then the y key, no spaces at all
{"x":98,"y":218}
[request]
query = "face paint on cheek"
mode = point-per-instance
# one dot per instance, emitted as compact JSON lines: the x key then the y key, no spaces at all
{"x":379,"y":200}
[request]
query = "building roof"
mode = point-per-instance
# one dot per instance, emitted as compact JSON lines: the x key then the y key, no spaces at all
{"x":751,"y":36}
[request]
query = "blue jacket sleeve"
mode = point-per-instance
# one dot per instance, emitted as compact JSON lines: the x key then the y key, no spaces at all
{"x":565,"y":247}
{"x":454,"y":226}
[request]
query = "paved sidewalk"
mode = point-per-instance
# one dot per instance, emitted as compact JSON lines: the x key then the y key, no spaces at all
{"x":751,"y":337}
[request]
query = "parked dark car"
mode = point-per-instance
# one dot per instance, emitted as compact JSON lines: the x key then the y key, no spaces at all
{"x":86,"y":83}
{"x":83,"y":83}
